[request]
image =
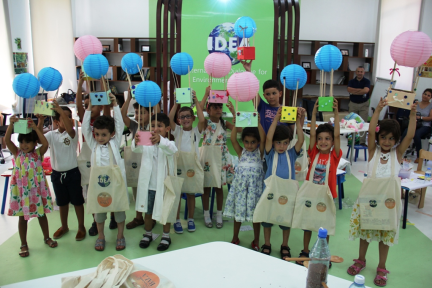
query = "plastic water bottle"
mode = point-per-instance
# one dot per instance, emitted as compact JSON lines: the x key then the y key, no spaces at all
{"x":428,"y":174}
{"x":319,"y":264}
{"x":359,"y":282}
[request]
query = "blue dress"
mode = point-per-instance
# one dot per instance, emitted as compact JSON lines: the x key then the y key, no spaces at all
{"x":246,"y":188}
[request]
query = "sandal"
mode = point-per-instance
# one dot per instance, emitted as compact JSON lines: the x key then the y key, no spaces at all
{"x":219,"y":225}
{"x":236,"y":242}
{"x":145,"y":241}
{"x":24,"y":253}
{"x":113,"y":224}
{"x":163,"y":246}
{"x":52,"y":244}
{"x":121,"y":243}
{"x":254,"y":246}
{"x":135,"y":223}
{"x":356,"y":269}
{"x":93,"y":229}
{"x":379,"y":277}
{"x":283,"y":254}
{"x":302,"y":255}
{"x":266,"y":247}
{"x":100,"y":243}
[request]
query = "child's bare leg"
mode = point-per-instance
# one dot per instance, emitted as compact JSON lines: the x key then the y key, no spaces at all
{"x":237,"y":226}
{"x":285,"y":237}
{"x":22,"y":229}
{"x":362,"y":254}
{"x":219,"y":198}
{"x":120,"y":231}
{"x":178,"y":210}
{"x":79,"y":211}
{"x":267,"y":234}
{"x":43,"y":222}
{"x":191,"y":205}
{"x":166,"y":228}
{"x":148,"y":222}
{"x":383,"y":253}
{"x":306,"y":240}
{"x":205,"y":198}
{"x":64,"y":212}
{"x":139,"y":215}
{"x":257,"y":230}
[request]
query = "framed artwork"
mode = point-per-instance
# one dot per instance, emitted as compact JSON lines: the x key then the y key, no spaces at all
{"x":306,"y":65}
{"x":20,"y":62}
{"x":145,"y":48}
{"x":106,"y":48}
{"x":344,"y":52}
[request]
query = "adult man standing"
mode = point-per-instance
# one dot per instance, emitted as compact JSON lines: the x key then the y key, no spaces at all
{"x":359,"y":98}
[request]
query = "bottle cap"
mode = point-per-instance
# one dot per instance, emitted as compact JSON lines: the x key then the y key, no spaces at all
{"x":359,"y":279}
{"x":429,"y":168}
{"x":322,"y":233}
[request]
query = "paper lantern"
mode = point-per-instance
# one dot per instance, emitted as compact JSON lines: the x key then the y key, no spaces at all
{"x":148,"y":92}
{"x":130,"y":63}
{"x":50,"y":79}
{"x":328,"y":57}
{"x":411,"y":48}
{"x":291,"y":74}
{"x":96,"y":66}
{"x":240,"y":27}
{"x":243,"y":86}
{"x":217,"y":64}
{"x":86,"y":45}
{"x":26,"y":85}
{"x":181,"y":63}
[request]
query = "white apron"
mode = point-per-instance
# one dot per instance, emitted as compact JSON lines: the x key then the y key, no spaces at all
{"x":107,"y":191}
{"x":171,"y":197}
{"x":211,"y":161}
{"x":314,"y":206}
{"x":132,"y":166}
{"x":189,"y":168}
{"x":276,"y":204}
{"x":379,"y":202}
{"x":84,"y":163}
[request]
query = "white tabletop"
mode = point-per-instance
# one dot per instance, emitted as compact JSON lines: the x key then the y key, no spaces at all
{"x":215,"y":264}
{"x":414,"y":183}
{"x":343,"y":131}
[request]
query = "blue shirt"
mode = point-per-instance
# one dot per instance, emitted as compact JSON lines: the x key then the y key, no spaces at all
{"x":354,"y":83}
{"x":267,"y":114}
{"x":282,"y":165}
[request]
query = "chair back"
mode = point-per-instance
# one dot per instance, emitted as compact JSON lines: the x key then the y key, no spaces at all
{"x":424,"y":155}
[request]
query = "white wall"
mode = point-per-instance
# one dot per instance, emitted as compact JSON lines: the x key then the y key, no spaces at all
{"x":339,"y":20}
{"x":111,"y":18}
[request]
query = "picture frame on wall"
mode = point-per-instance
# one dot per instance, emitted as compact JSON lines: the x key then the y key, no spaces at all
{"x":345,"y":52}
{"x":306,"y":65}
{"x":145,"y":48}
{"x":106,"y":48}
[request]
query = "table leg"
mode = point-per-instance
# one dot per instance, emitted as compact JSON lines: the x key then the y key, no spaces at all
{"x":6,"y":185}
{"x":352,"y":147}
{"x":404,"y":221}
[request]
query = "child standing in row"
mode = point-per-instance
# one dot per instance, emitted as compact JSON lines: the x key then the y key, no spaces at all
{"x":189,"y":167}
{"x":381,"y":145}
{"x":30,"y":195}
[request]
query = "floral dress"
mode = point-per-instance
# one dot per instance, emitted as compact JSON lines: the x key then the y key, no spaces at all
{"x":246,"y":188}
{"x":227,"y":173}
{"x":30,"y":196}
{"x":389,"y":238}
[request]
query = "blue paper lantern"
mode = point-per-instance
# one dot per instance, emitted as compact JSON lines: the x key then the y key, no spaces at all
{"x":50,"y":79}
{"x":96,"y":65}
{"x":181,"y":63}
{"x":148,"y":92}
{"x":291,"y":74}
{"x":26,"y":85}
{"x":328,"y":57}
{"x":240,"y":27}
{"x":130,"y":63}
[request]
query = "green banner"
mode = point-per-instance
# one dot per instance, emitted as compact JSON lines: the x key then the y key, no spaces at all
{"x":208,"y":26}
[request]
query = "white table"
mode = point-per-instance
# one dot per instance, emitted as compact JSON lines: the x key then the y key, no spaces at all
{"x":212,"y":265}
{"x":344,"y":131}
{"x":412,"y":184}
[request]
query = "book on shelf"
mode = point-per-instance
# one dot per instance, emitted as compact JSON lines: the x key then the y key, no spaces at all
{"x":366,"y":67}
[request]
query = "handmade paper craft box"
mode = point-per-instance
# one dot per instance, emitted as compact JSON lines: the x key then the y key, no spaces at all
{"x":43,"y":107}
{"x":246,"y":119}
{"x":22,"y":127}
{"x":132,"y":89}
{"x":246,"y":53}
{"x":100,"y":98}
{"x":400,"y":98}
{"x":289,"y":114}
{"x":183,"y":95}
{"x":144,"y":138}
{"x":325,"y":104}
{"x":218,"y":96}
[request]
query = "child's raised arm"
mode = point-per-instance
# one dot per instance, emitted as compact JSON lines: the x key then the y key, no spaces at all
{"x":300,"y":135}
{"x":79,"y":104}
{"x":271,"y":131}
{"x":336,"y":128}
{"x":230,"y":125}
{"x":172,"y":114}
{"x":313,"y":127}
{"x":262,"y":136}
{"x":66,"y":121}
{"x":403,"y":146}
{"x":85,"y":127}
{"x":372,"y":126}
{"x":41,"y":119}
{"x":9,"y":144}
{"x":204,"y":99}
{"x":124,"y":109}
{"x":202,"y":122}
{"x":235,"y":143}
{"x":42,"y":139}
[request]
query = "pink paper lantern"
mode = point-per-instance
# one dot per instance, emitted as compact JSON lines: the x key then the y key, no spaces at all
{"x":86,"y":45}
{"x":243,"y":86}
{"x":411,"y":48}
{"x":217,"y":64}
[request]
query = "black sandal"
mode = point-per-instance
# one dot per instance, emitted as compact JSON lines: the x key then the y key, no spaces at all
{"x":163,"y":246}
{"x":284,"y":255}
{"x":93,"y":229}
{"x":145,"y":241}
{"x":305,"y":255}
{"x":266,"y":247}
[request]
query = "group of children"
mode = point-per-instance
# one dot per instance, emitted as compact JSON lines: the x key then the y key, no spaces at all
{"x":266,"y":158}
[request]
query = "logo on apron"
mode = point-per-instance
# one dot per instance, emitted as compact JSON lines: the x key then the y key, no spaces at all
{"x":321,"y":207}
{"x":104,"y":180}
{"x":179,"y":172}
{"x":270,"y":196}
{"x":88,"y":164}
{"x":104,"y":199}
{"x":308,"y":203}
{"x":297,"y":166}
{"x":134,"y":165}
{"x":143,"y":279}
{"x":207,"y":167}
{"x":283,"y":200}
{"x":373,"y":203}
{"x":190,"y":173}
{"x":390,"y":203}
